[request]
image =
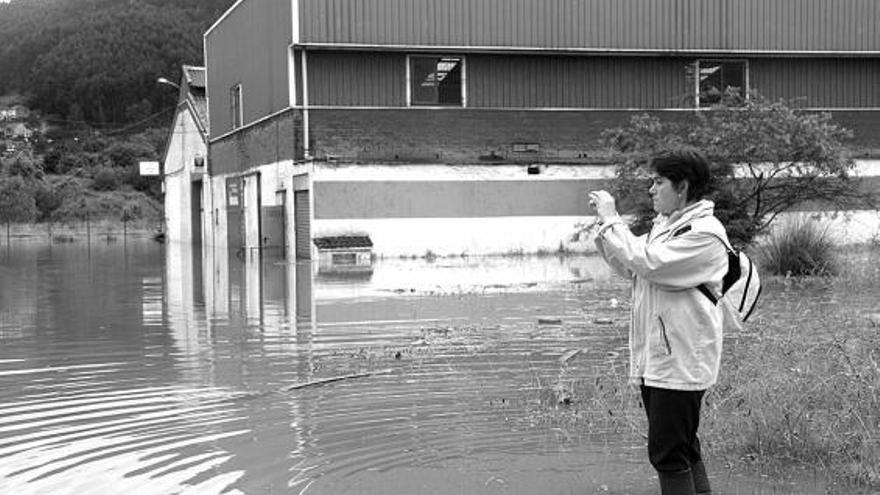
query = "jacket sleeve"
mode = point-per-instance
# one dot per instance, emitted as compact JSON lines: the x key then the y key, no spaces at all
{"x":682,"y":262}
{"x":615,"y":265}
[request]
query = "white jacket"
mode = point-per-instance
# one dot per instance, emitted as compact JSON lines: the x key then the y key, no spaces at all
{"x":675,"y":331}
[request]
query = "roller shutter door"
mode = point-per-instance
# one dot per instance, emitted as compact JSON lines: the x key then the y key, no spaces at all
{"x":301,"y":217}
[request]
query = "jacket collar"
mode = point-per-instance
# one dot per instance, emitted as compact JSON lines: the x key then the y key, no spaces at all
{"x":665,"y":223}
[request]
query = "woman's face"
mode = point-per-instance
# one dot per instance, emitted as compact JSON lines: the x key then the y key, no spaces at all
{"x":666,"y":198}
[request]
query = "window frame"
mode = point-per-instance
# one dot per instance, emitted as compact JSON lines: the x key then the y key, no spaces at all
{"x":236,"y":106}
{"x":745,"y":65}
{"x":409,"y":80}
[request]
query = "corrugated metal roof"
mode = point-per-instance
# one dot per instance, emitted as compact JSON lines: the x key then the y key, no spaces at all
{"x":195,"y":76}
{"x":341,"y":242}
{"x":637,"y":25}
{"x":194,"y":82}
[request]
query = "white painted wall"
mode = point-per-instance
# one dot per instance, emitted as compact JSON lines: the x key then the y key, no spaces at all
{"x":184,"y":145}
{"x":456,"y":236}
{"x":214,"y":231}
{"x":346,"y":172}
{"x":499,"y":235}
{"x":272,"y":178}
{"x":249,"y":199}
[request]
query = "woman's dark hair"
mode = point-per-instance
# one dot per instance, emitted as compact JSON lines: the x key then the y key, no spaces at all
{"x":684,"y":165}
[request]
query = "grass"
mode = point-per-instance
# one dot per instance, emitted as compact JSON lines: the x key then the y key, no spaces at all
{"x":799,"y":387}
{"x":796,"y":395}
{"x":800,"y":247}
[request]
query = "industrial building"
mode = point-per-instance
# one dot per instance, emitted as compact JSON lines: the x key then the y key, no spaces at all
{"x":473,"y":126}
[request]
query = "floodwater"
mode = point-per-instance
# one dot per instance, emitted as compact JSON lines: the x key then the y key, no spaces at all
{"x":137,"y":368}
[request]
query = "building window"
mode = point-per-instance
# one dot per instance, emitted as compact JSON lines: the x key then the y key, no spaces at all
{"x":716,"y":77}
{"x":436,"y":81}
{"x":344,"y":258}
{"x":235,"y":106}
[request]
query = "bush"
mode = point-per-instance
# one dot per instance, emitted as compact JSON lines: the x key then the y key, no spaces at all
{"x":125,"y":154}
{"x":79,"y":163}
{"x":798,"y":248}
{"x":47,"y":201}
{"x":50,"y":196}
{"x":25,"y":167}
{"x":105,"y":180}
{"x":16,"y":201}
{"x":144,"y":183}
{"x":767,"y":157}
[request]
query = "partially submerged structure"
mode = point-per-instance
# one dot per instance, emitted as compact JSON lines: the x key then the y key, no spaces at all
{"x":184,"y":161}
{"x":344,"y":255}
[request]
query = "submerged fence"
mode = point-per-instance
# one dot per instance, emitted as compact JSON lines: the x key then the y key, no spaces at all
{"x":85,"y":230}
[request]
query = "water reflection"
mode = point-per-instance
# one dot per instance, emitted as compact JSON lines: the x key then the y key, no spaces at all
{"x":172,"y":370}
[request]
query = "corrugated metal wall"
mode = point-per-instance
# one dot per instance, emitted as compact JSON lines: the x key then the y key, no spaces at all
{"x":824,"y":83}
{"x":525,"y":81}
{"x":359,"y":79}
{"x":250,"y":46}
{"x":500,"y":81}
{"x":578,"y":82}
{"x":607,"y":24}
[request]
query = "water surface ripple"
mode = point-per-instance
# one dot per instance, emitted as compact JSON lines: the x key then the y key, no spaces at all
{"x":140,"y":368}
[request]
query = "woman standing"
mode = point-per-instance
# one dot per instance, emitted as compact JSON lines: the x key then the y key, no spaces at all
{"x":675,"y":332}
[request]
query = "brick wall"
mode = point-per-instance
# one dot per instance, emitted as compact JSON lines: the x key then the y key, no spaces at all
{"x":461,"y":135}
{"x":487,"y":136}
{"x":865,"y":126}
{"x":271,"y":141}
{"x":455,"y":136}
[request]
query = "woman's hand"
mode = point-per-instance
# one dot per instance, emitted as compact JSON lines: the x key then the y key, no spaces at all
{"x":603,"y":201}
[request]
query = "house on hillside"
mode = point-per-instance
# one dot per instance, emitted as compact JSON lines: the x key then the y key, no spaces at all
{"x":15,"y":130}
{"x":15,"y":112}
{"x":184,"y":161}
{"x":14,"y":123}
{"x":473,"y":126}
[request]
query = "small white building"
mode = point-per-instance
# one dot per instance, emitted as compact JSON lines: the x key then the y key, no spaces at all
{"x":185,"y":161}
{"x":344,"y":255}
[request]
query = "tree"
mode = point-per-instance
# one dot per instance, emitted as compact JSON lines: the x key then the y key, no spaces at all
{"x":24,"y":166}
{"x":767,"y":157}
{"x":16,"y":201}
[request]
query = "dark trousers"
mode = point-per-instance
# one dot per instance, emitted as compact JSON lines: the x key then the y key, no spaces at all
{"x":673,"y":420}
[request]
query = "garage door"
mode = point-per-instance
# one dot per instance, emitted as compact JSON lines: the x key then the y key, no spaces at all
{"x":302,"y":217}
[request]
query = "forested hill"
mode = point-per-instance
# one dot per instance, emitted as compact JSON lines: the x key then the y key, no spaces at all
{"x":98,"y":60}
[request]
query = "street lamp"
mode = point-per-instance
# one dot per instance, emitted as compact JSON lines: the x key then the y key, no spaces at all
{"x":162,"y":80}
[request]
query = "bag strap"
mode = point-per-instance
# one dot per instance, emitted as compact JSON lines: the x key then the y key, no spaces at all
{"x":729,"y":277}
{"x":708,"y":293}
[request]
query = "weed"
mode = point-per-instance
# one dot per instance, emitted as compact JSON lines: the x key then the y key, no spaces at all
{"x":800,"y":247}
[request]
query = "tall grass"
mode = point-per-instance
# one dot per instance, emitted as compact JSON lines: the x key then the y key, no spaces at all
{"x":797,"y":396}
{"x":801,"y":247}
{"x":799,"y":387}
{"x":801,"y":384}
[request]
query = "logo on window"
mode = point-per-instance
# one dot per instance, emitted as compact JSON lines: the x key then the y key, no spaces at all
{"x":720,"y":78}
{"x":436,"y":81}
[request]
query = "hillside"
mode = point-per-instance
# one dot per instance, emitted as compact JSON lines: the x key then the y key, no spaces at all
{"x":79,"y":94}
{"x":97,"y":61}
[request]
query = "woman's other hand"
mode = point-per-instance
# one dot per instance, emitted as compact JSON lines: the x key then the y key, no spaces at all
{"x":603,"y":201}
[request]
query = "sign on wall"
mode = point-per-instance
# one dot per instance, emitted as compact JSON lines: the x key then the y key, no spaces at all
{"x":149,"y":168}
